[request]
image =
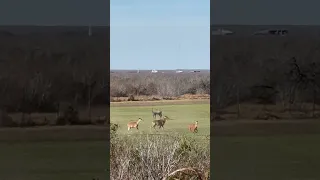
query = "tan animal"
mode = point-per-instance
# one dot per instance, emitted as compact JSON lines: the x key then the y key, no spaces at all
{"x":134,"y":124}
{"x":194,"y":127}
{"x":160,"y":122}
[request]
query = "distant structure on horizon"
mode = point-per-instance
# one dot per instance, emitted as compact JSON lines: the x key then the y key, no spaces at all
{"x":179,"y":71}
{"x":154,"y":71}
{"x":222,"y":32}
{"x":89,"y":31}
{"x":276,"y":32}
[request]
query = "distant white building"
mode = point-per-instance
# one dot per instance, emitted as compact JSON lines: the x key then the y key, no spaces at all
{"x":179,"y":71}
{"x":154,"y":71}
{"x":222,"y":32}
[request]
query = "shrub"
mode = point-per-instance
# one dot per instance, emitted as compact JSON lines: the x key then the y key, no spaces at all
{"x":155,"y":156}
{"x":164,"y":85}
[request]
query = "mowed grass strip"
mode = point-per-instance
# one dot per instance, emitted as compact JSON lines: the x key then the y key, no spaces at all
{"x":53,"y":160}
{"x":279,"y":150}
{"x":66,"y":153}
{"x":181,"y":115}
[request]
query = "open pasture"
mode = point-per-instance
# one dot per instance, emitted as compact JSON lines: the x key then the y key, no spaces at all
{"x":154,"y":153}
{"x":54,"y":152}
{"x":74,"y":152}
{"x":79,"y":160}
{"x":181,"y":115}
{"x":250,"y":150}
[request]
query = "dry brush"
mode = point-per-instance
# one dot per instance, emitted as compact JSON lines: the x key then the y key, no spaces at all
{"x":265,"y":71}
{"x":162,"y":85}
{"x":158,"y":157}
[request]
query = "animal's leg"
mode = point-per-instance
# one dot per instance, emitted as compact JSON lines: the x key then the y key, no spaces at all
{"x":128,"y":128}
{"x":194,"y":130}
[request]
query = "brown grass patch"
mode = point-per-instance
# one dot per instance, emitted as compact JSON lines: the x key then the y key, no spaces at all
{"x":161,"y":102}
{"x":159,"y":98}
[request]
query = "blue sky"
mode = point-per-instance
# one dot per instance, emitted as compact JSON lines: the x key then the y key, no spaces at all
{"x":160,"y":34}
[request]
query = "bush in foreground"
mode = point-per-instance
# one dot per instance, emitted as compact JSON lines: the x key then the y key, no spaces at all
{"x":158,"y":157}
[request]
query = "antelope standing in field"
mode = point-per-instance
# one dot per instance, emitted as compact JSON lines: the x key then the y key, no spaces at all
{"x":159,"y":122}
{"x":134,"y":124}
{"x":155,"y":113}
{"x":194,"y":127}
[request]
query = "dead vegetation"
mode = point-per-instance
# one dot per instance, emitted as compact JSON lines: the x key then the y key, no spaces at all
{"x":68,"y":116}
{"x":158,"y":157}
{"x":154,"y":87}
{"x":265,"y":78}
{"x":159,"y":98}
{"x":200,"y":175}
{"x":35,"y":77}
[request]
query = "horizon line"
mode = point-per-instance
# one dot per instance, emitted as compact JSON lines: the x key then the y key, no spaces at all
{"x":160,"y":69}
{"x":248,"y":24}
{"x":46,"y":25}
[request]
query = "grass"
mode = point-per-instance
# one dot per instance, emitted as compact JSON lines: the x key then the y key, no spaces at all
{"x":151,"y":154}
{"x":81,"y":152}
{"x":81,"y":160}
{"x":181,"y":114}
{"x":65,"y":152}
{"x":265,"y":150}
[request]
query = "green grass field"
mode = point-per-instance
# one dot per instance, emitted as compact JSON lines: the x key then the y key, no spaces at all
{"x":81,"y":152}
{"x":53,"y":160}
{"x":266,"y":150}
{"x":181,"y":114}
{"x":66,"y":153}
{"x":278,"y":158}
{"x":157,"y":152}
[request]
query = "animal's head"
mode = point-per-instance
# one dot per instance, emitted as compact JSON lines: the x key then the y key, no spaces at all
{"x":140,"y":119}
{"x":196,"y":122}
